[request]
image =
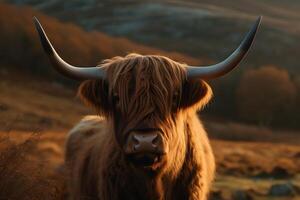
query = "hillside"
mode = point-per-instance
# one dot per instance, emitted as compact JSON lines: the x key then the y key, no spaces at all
{"x":160,"y":25}
{"x":208,"y":29}
{"x":20,"y":46}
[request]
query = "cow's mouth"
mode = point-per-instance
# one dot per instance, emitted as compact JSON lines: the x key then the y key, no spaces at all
{"x":146,"y":161}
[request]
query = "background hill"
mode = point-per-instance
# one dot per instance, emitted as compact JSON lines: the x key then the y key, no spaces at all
{"x":203,"y":29}
{"x":89,"y":31}
{"x":202,"y":32}
{"x":20,"y":47}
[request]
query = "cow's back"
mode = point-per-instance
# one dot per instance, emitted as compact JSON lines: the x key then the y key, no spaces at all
{"x":78,"y":156}
{"x":86,"y":129}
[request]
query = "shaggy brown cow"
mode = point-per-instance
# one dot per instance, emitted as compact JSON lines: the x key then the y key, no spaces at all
{"x":148,"y":142}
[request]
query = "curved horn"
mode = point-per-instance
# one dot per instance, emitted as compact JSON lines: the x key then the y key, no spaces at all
{"x":214,"y":71}
{"x":61,"y":66}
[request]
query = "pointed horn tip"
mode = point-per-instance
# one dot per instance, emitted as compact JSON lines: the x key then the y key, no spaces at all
{"x":35,"y":20}
{"x":37,"y":24}
{"x":258,"y":21}
{"x":43,"y":37}
{"x":260,"y":17}
{"x":250,"y":37}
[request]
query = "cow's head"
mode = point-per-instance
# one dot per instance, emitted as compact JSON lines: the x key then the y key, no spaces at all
{"x":147,"y":99}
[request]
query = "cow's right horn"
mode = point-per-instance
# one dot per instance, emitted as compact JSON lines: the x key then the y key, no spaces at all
{"x":220,"y":69}
{"x":79,"y":73}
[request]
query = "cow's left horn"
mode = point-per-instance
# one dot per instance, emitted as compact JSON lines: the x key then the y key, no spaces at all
{"x":214,"y":71}
{"x":80,"y":73}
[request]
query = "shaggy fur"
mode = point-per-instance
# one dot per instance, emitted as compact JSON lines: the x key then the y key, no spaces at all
{"x":141,"y":91}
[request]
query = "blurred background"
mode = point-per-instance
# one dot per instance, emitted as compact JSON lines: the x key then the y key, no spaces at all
{"x":253,"y":120}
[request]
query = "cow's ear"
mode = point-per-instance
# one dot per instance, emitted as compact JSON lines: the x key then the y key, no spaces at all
{"x":95,"y":93}
{"x":195,"y":94}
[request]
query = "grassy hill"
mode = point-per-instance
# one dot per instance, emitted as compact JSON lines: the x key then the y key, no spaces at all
{"x":189,"y":31}
{"x":203,"y":29}
{"x":20,"y":46}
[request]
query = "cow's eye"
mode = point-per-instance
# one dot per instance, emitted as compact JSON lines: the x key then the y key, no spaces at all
{"x":116,"y":101}
{"x":116,"y":98}
{"x":175,"y":96}
{"x":175,"y":99}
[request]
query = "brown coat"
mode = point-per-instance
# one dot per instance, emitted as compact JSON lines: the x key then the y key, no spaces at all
{"x":141,"y":89}
{"x":98,"y":170}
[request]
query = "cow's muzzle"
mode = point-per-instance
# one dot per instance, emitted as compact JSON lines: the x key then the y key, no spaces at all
{"x":145,"y":148}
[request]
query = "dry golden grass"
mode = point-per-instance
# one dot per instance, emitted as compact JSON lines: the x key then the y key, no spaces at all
{"x":37,"y":105}
{"x":23,"y":176}
{"x":257,"y":159}
{"x":251,"y":167}
{"x":235,"y":131}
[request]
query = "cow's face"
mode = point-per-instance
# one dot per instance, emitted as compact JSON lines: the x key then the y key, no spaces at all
{"x":146,"y":98}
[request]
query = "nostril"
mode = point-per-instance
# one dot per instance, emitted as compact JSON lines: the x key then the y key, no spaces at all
{"x":155,"y":141}
{"x":134,"y":148}
{"x":135,"y":140}
{"x":144,"y":142}
{"x":135,"y":143}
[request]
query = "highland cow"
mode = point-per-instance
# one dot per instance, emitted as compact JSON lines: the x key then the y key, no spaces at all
{"x":147,"y":141}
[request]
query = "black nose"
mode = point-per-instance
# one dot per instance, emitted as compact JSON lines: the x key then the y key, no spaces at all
{"x":145,"y":142}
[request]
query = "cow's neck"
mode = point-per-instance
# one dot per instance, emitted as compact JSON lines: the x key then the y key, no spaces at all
{"x":129,"y":183}
{"x":153,"y":187}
